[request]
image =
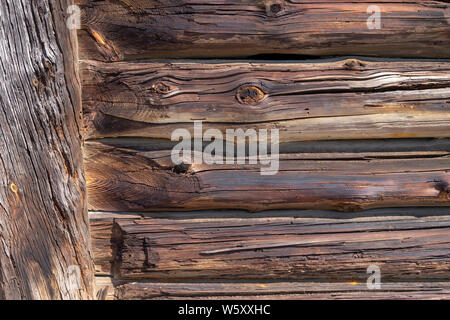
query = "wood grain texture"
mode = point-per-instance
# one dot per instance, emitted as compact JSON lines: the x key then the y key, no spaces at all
{"x":121,"y":179}
{"x":44,"y":238}
{"x":317,"y":100}
{"x":280,"y":248}
{"x":279,"y":291}
{"x":236,"y":28}
{"x":103,"y":252}
{"x":104,"y":244}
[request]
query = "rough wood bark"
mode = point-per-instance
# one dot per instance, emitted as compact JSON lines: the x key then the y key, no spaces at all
{"x":121,"y":179}
{"x":279,"y":291}
{"x":44,"y":239}
{"x":276,"y":248}
{"x":236,"y":28}
{"x":342,"y":99}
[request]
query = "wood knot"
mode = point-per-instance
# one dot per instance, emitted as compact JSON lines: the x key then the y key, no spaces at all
{"x":160,"y":88}
{"x":274,"y":7}
{"x":348,"y":207}
{"x":14,"y":188}
{"x":181,"y":168}
{"x":353,"y":64}
{"x":250,"y":94}
{"x":443,"y":188}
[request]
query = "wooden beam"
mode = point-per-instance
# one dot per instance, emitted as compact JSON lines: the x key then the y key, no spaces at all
{"x":102,"y":242}
{"x":123,"y":179}
{"x":44,"y":238}
{"x":279,"y":290}
{"x":405,"y":248}
{"x":351,"y":98}
{"x":236,"y":28}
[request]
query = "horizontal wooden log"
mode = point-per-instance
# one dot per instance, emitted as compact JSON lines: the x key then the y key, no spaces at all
{"x":307,"y":249}
{"x":374,"y":146}
{"x":134,"y":29}
{"x":352,"y":99}
{"x":121,"y":179}
{"x":104,"y":243}
{"x":279,"y":290}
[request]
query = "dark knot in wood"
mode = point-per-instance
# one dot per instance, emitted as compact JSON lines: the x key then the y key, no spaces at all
{"x":160,"y":88}
{"x":349,"y":207}
{"x":353,"y":64}
{"x":274,"y":7}
{"x":250,"y":94}
{"x":443,"y":188}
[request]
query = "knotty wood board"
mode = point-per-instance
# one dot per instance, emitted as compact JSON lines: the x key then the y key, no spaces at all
{"x":136,"y":29}
{"x":317,"y":100}
{"x":279,"y":291}
{"x":121,"y":179}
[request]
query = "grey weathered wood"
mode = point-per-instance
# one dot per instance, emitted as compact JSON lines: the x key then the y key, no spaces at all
{"x":44,"y":238}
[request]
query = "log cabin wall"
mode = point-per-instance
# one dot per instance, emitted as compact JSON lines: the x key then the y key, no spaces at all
{"x":364,"y":125}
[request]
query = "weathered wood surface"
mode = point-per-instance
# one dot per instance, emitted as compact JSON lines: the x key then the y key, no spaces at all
{"x":44,"y":239}
{"x":104,"y":246}
{"x":279,"y":291}
{"x":121,"y":179}
{"x":135,"y":29}
{"x":110,"y":289}
{"x":352,"y":99}
{"x":102,"y":243}
{"x":406,"y":248}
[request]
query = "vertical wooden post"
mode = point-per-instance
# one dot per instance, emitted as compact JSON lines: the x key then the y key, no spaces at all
{"x":44,"y":235}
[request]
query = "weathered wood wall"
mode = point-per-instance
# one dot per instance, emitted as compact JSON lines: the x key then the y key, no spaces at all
{"x":44,"y":238}
{"x":355,"y":133}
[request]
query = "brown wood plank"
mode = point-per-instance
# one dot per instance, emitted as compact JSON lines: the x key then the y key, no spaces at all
{"x":135,"y":29}
{"x":121,"y":179}
{"x":279,"y":290}
{"x":44,"y":229}
{"x":307,"y":249}
{"x":352,"y":99}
